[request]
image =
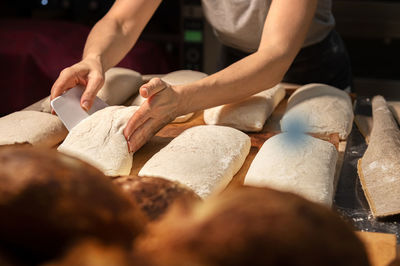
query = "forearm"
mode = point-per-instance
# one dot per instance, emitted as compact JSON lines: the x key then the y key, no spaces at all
{"x":107,"y":43}
{"x":253,"y":74}
{"x":117,"y":32}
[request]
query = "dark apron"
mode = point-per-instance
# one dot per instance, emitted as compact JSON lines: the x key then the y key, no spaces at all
{"x":324,"y":62}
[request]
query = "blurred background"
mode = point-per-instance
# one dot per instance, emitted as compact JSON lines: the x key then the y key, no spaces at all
{"x":41,"y":37}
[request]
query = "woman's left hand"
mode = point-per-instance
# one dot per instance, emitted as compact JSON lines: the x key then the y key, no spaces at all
{"x":160,"y":108}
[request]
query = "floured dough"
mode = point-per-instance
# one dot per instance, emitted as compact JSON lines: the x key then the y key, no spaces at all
{"x":120,"y":84}
{"x":45,"y":105}
{"x":36,"y":128}
{"x":205,"y":158}
{"x":99,"y":140}
{"x":296,"y":163}
{"x":182,"y":77}
{"x":249,"y":114}
{"x":379,"y":168}
{"x":395,"y":108}
{"x":319,"y":108}
{"x":179,"y":77}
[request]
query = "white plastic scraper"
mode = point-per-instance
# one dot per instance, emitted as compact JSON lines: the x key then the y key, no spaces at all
{"x":69,"y":110}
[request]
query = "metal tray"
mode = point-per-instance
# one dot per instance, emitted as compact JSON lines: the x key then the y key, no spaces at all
{"x":349,"y":200}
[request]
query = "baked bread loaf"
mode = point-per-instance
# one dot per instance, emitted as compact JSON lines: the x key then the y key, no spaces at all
{"x":320,"y":109}
{"x":36,"y":128}
{"x":49,"y":200}
{"x":249,"y":114}
{"x":296,"y":163}
{"x":99,"y":140}
{"x":251,"y":226}
{"x":90,"y":252}
{"x":379,"y":168}
{"x":204,"y":158}
{"x":155,"y":195}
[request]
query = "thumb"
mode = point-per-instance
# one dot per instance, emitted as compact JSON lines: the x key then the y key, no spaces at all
{"x":151,"y":88}
{"x":95,"y":81}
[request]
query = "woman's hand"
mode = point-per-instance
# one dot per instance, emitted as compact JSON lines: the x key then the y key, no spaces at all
{"x":88,"y":72}
{"x":160,"y":108}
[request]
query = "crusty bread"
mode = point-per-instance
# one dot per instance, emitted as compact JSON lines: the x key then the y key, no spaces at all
{"x":49,"y":200}
{"x":155,"y":195}
{"x":251,"y":226}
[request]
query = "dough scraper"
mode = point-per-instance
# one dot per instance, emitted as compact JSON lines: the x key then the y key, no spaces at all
{"x":68,"y":107}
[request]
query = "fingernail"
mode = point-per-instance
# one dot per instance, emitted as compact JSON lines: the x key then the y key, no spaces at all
{"x":85,"y":105}
{"x":145,"y":92}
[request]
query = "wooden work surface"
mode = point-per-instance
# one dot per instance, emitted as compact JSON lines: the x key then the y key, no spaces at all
{"x":381,"y":248}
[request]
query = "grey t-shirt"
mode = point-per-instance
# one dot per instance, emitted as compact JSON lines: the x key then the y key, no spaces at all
{"x":239,"y":23}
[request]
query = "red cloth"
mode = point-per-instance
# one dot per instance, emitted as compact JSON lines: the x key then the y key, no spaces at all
{"x":32,"y":54}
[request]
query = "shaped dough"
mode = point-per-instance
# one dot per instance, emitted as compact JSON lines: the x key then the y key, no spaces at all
{"x":36,"y":128}
{"x":395,"y":108}
{"x":249,"y":114}
{"x":179,"y":77}
{"x":120,"y":84}
{"x":205,"y":158}
{"x":296,"y":163}
{"x":99,"y":140}
{"x":379,"y":168}
{"x":319,"y":108}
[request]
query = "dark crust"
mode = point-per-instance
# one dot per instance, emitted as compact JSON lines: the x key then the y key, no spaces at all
{"x":155,"y":195}
{"x":252,"y":226}
{"x":49,"y":200}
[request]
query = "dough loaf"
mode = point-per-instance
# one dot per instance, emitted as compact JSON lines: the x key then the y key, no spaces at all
{"x":249,"y":114}
{"x":395,"y":108}
{"x":36,"y":128}
{"x":182,"y":77}
{"x":205,"y":158}
{"x":379,"y":168}
{"x":319,"y":108}
{"x":99,"y":140}
{"x":296,"y":163}
{"x":120,"y":84}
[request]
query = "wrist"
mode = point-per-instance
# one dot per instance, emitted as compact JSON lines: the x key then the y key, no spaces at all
{"x":183,"y":105}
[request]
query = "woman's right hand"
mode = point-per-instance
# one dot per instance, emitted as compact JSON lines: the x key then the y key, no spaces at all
{"x":88,"y":72}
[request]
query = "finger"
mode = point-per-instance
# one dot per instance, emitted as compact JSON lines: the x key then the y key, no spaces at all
{"x":95,"y":81}
{"x":143,"y":134}
{"x":154,"y":86}
{"x":65,"y":81}
{"x":137,"y":119}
